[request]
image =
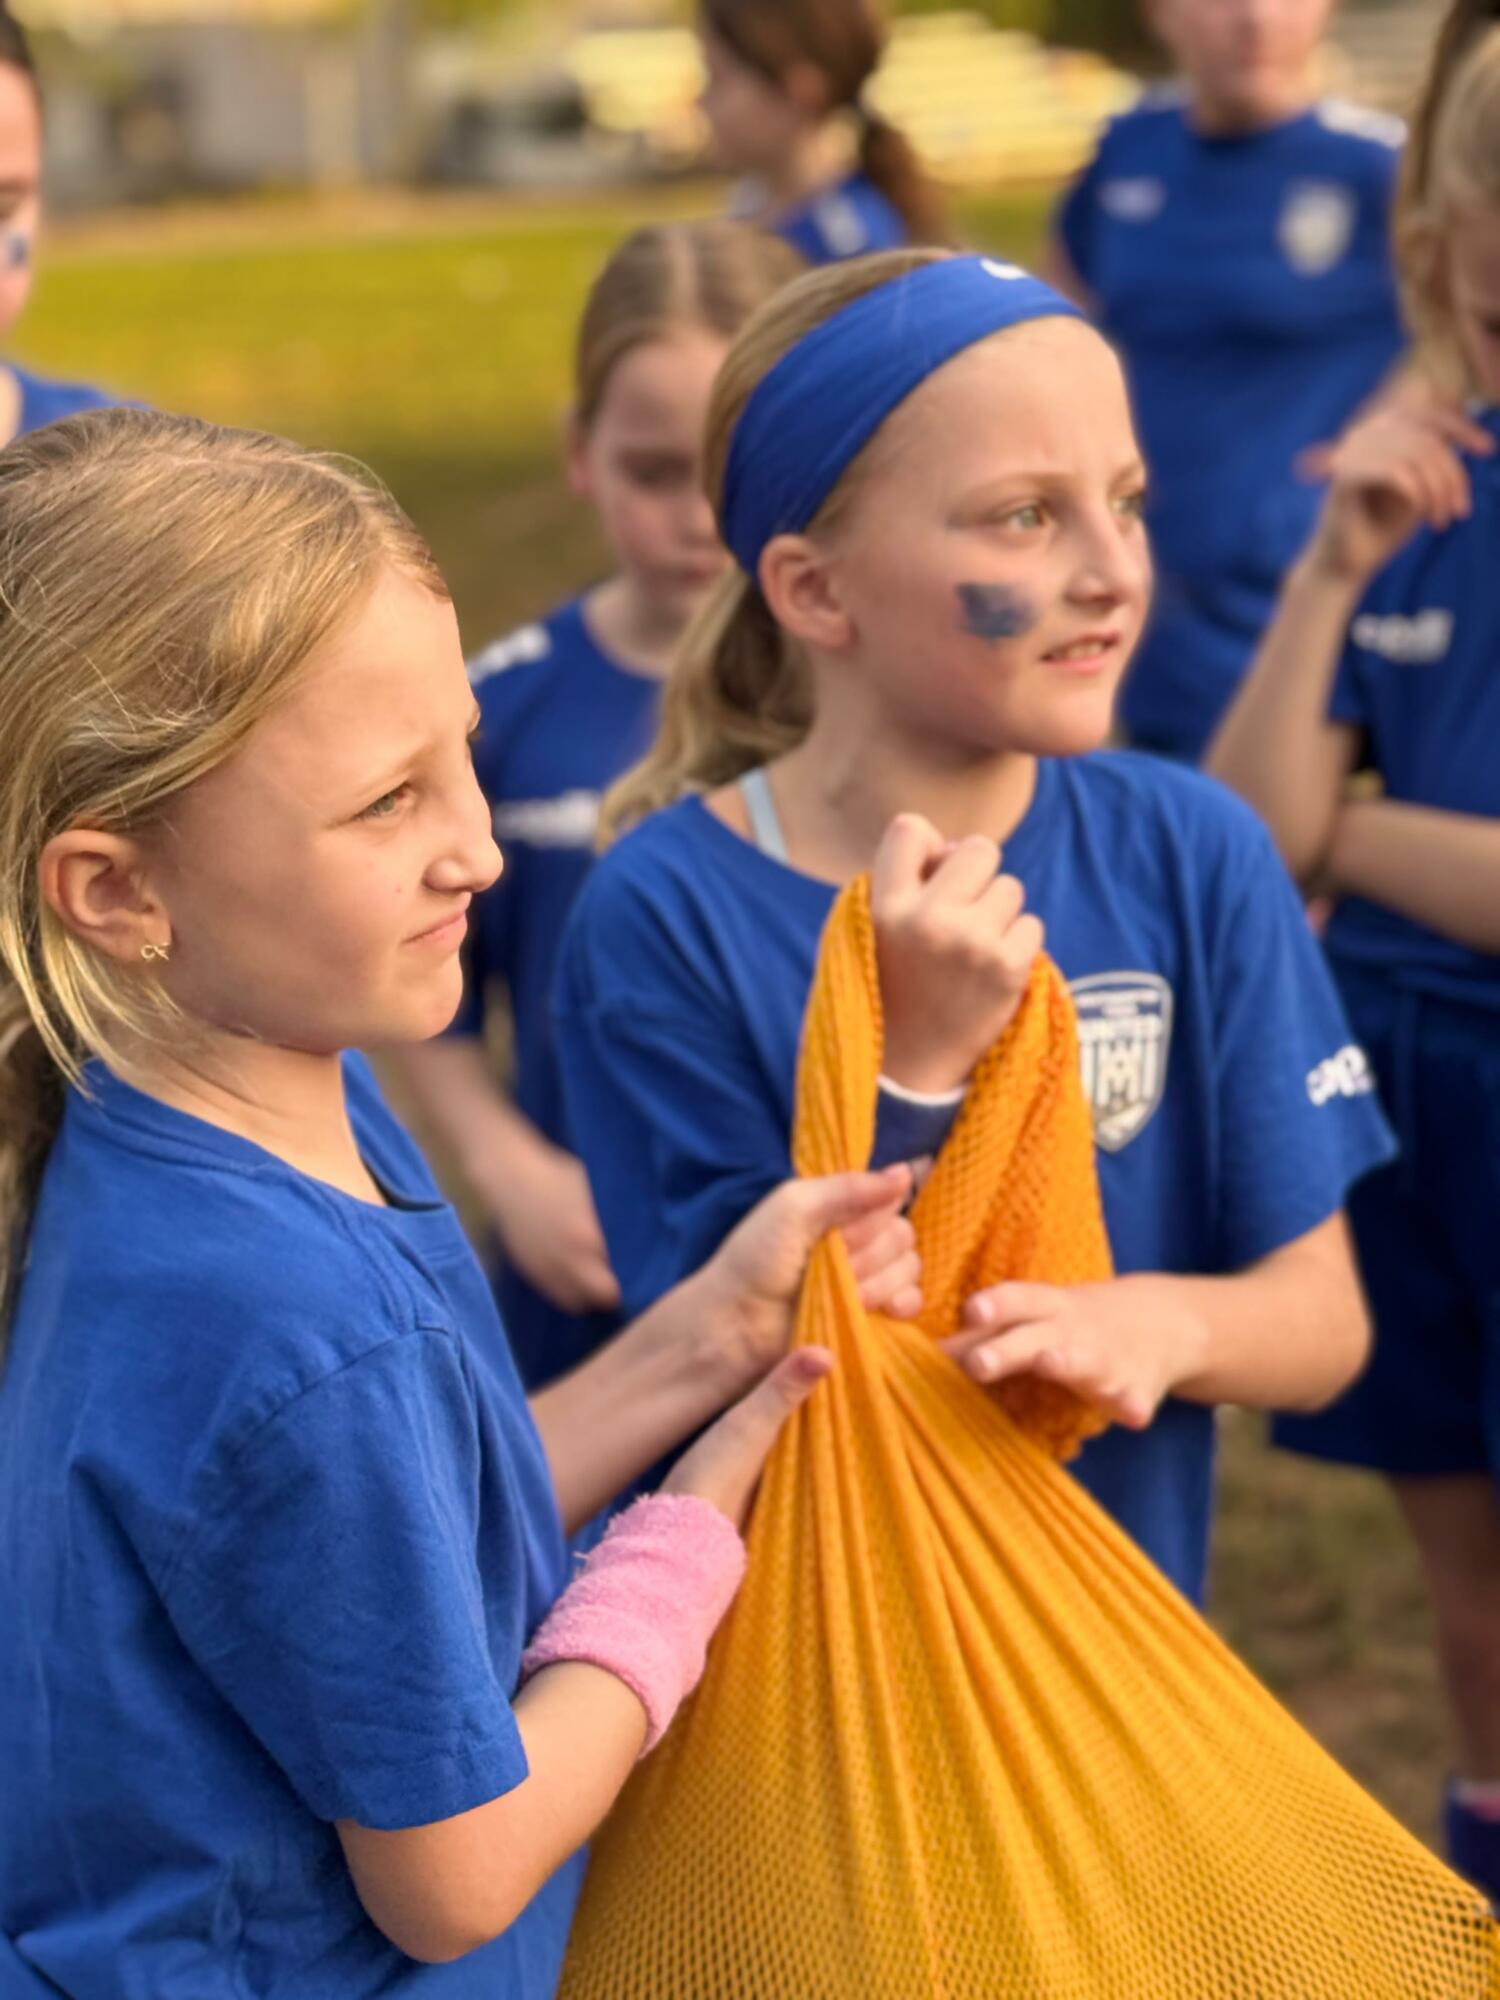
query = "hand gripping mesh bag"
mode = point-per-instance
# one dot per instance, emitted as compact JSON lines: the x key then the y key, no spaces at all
{"x":959,"y":1739}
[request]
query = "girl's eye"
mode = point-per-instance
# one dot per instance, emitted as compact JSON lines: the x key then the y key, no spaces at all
{"x":1131,"y":505}
{"x":658,"y":475}
{"x":386,"y":804}
{"x":1031,"y":516}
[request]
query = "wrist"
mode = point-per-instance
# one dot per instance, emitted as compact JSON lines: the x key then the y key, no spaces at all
{"x":1321,"y":571}
{"x":931,"y":1072}
{"x":719,"y":1345}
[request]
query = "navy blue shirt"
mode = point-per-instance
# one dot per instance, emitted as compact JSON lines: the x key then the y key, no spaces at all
{"x":1207,"y":1020}
{"x":561,"y":721}
{"x":274,"y":1528}
{"x":851,"y":219}
{"x":1247,"y":283}
{"x":46,"y":402}
{"x":1421,"y":676}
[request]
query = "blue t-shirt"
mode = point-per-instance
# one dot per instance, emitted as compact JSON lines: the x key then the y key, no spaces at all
{"x":274,"y":1528}
{"x":1207,"y":1020}
{"x":1421,"y":676}
{"x":561,"y":721}
{"x":46,"y":402}
{"x":1247,"y":282}
{"x":851,"y":219}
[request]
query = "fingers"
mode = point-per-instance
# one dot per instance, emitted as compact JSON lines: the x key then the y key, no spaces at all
{"x":1042,"y":1350}
{"x":1008,"y":1305}
{"x":1459,"y":428}
{"x":848,"y":1201}
{"x":725,"y":1464}
{"x":908,"y":848}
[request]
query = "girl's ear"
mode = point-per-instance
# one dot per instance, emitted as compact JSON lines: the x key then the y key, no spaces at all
{"x":807,"y":88}
{"x":98,"y":886}
{"x":576,"y":458}
{"x":799,"y":582}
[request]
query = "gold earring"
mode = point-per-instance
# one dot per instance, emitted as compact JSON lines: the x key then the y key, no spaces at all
{"x":155,"y":951}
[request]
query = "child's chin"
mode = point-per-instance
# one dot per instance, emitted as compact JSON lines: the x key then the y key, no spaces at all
{"x":1076,"y":727}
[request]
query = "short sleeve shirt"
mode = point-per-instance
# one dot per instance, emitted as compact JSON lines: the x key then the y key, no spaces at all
{"x":1231,"y":1112}
{"x":274,"y":1528}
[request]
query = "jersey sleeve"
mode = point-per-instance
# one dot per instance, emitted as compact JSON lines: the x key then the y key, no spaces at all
{"x":332,"y":1594}
{"x":1297,"y":1117}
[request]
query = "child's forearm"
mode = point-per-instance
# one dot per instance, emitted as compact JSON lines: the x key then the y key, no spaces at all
{"x":621,"y":1411}
{"x":440,"y":1891}
{"x":1275,"y":746}
{"x":1440,"y":868}
{"x":1290,"y":1333}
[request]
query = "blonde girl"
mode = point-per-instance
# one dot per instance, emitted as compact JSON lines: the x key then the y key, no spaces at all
{"x":277,"y":1528}
{"x":1384,"y":652}
{"x":786,"y":99}
{"x":926,"y":470}
{"x":567,"y":704}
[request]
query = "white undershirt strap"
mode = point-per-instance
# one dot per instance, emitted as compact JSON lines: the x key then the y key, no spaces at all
{"x":760,"y":810}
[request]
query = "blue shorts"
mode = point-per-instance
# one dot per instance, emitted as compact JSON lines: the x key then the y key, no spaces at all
{"x":1427,"y":1229}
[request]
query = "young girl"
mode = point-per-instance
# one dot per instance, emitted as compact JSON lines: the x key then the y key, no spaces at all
{"x":926,"y":470}
{"x":275,"y":1523}
{"x":27,"y":401}
{"x":1385,"y":649}
{"x":784,"y":104}
{"x":1231,"y":238}
{"x":566,"y":706}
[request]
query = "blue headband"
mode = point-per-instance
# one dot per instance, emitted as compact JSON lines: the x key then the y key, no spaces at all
{"x":806,"y":420}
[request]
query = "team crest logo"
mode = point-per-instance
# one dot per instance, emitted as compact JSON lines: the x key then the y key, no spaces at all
{"x":1124,"y":1034}
{"x":1317,"y":223}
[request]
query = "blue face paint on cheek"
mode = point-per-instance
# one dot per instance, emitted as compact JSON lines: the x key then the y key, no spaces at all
{"x":994,"y":611}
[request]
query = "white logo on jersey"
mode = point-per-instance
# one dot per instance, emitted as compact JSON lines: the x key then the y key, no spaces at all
{"x":839,"y":220}
{"x":1410,"y":641}
{"x":1140,"y":199}
{"x":998,"y":270}
{"x":569,"y":820}
{"x":516,"y":650}
{"x":1346,"y":1074}
{"x":1383,"y":128}
{"x":1124,"y":1036}
{"x":1316,"y":226}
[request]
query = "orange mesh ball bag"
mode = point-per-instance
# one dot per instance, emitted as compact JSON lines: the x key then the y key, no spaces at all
{"x":959,"y":1739}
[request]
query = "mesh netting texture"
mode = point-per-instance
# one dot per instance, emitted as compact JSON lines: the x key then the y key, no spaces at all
{"x":959,"y":1739}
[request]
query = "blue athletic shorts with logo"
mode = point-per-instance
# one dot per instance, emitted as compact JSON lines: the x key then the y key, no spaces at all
{"x":1428,"y":1232}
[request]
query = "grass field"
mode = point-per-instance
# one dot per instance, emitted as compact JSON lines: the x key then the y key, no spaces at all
{"x":432,"y":340}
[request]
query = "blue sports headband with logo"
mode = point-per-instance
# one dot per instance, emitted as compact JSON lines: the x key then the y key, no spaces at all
{"x":808,"y":418}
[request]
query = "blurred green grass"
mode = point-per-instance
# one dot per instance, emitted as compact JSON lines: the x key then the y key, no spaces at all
{"x":433,"y":341}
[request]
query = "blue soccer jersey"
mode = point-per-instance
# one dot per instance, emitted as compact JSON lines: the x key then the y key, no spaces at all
{"x":1421,"y":676}
{"x":275,"y":1526}
{"x":1229,"y":1112}
{"x":1247,"y":283}
{"x":850,"y":219}
{"x":561,"y":721}
{"x":44,"y":401}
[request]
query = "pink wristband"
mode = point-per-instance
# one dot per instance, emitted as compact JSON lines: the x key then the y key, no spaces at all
{"x":647,"y":1601}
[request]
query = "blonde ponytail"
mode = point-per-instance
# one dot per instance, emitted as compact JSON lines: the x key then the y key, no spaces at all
{"x":739,"y":695}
